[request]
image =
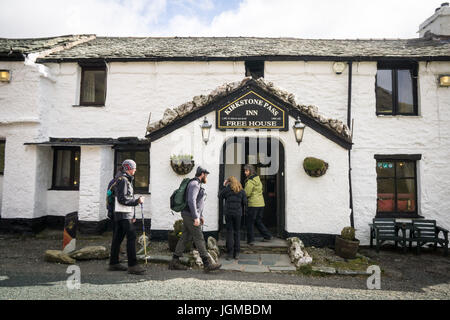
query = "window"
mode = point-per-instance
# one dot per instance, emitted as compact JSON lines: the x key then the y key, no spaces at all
{"x":396,"y":89}
{"x":255,"y":69}
{"x":66,"y":168}
{"x":2,"y":156}
{"x":396,"y":187}
{"x":141,"y":157}
{"x":93,"y":86}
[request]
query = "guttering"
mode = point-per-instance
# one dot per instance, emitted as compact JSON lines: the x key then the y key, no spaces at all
{"x":349,"y":120}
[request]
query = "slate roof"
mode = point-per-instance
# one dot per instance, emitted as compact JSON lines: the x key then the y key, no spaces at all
{"x":240,"y":48}
{"x":15,"y":49}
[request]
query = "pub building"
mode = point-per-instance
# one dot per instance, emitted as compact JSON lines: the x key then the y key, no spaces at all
{"x":372,"y":115}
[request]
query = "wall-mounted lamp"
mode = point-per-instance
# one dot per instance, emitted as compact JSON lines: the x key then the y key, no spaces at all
{"x":5,"y":76}
{"x":299,"y":129}
{"x":338,"y":67}
{"x":444,"y":80}
{"x":206,"y":128}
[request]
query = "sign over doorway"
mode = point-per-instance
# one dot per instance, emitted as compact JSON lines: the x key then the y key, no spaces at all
{"x":252,"y":111}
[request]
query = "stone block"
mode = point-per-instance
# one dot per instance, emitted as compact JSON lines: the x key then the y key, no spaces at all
{"x":257,"y":269}
{"x":283,"y":268}
{"x":328,"y":270}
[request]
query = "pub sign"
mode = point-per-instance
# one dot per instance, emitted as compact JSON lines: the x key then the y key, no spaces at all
{"x":251,"y":111}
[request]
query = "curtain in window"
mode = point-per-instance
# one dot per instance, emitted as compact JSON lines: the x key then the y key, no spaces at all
{"x":89,"y":86}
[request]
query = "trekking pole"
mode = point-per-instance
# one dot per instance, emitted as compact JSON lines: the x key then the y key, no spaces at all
{"x":143,"y":233}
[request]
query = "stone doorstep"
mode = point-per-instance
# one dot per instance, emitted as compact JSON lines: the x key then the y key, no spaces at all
{"x":257,"y":269}
{"x":231,"y":265}
{"x":283,"y":268}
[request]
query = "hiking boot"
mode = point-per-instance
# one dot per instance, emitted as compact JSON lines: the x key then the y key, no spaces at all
{"x":207,"y":266}
{"x":117,"y":267}
{"x":137,"y":269}
{"x":229,"y":257}
{"x":267,"y":239}
{"x":236,"y":256}
{"x":175,"y":264}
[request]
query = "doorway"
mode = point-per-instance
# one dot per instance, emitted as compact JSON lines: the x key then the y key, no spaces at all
{"x":267,"y":155}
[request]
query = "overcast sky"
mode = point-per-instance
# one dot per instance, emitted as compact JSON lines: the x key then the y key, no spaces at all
{"x":316,"y":19}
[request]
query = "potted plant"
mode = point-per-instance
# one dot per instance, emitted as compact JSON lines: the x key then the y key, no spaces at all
{"x":314,"y":167}
{"x":182,"y":164}
{"x":175,"y":235}
{"x":346,"y":245}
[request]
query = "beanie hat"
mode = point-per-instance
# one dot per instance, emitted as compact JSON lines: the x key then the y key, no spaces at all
{"x":128,"y":165}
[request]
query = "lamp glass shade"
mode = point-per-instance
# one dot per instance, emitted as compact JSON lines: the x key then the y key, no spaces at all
{"x":299,"y":129}
{"x":5,"y":76}
{"x":444,"y":81}
{"x":206,"y":129}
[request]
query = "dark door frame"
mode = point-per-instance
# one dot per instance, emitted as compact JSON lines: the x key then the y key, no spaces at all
{"x":281,"y":208}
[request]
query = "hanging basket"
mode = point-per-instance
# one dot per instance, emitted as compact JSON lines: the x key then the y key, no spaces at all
{"x":315,"y":167}
{"x":182,"y":165}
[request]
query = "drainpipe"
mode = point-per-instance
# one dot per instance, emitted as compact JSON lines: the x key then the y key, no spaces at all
{"x":349,"y":119}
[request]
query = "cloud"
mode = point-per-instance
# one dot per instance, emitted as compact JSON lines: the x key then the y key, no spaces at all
{"x":28,"y":18}
{"x":263,"y":18}
{"x":310,"y":19}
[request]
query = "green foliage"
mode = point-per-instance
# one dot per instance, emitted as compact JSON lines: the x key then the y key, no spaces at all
{"x":181,"y":158}
{"x":313,"y":164}
{"x":348,"y":233}
{"x":178,"y":227}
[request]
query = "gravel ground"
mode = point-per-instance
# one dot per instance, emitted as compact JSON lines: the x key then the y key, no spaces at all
{"x":25,"y":275}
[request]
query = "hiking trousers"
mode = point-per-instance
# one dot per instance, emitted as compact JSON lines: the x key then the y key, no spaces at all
{"x":191,"y":233}
{"x":122,"y":228}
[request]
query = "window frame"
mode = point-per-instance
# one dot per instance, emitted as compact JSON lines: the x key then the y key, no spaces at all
{"x":92,"y":68}
{"x":395,"y":66}
{"x":3,"y":142}
{"x":252,"y":65}
{"x":133,"y":150}
{"x":395,"y":213}
{"x":72,"y":168}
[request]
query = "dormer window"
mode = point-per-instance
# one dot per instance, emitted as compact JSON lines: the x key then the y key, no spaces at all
{"x":254,"y":69}
{"x":93,"y":86}
{"x":396,"y":88}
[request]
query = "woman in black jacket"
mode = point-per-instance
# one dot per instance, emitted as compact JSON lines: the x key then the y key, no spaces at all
{"x":235,"y":206}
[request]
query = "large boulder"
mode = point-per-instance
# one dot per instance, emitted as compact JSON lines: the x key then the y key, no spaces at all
{"x":299,"y":256}
{"x":90,"y":253}
{"x":58,"y":256}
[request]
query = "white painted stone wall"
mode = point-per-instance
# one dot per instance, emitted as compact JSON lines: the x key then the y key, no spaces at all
{"x":133,"y":90}
{"x":427,"y":134}
{"x":312,"y":83}
{"x":39,"y":108}
{"x":19,"y":179}
{"x":313,"y":205}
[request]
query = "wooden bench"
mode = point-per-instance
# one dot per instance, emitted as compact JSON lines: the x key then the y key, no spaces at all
{"x":385,"y":229}
{"x":426,"y":231}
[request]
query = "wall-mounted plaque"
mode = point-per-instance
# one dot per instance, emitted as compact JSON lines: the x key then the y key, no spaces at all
{"x":252,"y":111}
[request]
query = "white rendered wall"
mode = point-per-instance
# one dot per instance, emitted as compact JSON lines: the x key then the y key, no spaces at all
{"x":313,"y":205}
{"x":312,"y":83}
{"x":21,"y":164}
{"x":133,"y":91}
{"x":427,"y":134}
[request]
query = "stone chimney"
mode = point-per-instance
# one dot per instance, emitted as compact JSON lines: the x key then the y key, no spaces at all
{"x":438,"y":25}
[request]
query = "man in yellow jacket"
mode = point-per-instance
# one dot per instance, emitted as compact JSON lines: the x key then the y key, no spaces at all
{"x":254,"y":191}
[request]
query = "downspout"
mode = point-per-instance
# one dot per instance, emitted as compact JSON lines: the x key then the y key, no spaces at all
{"x":349,"y":119}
